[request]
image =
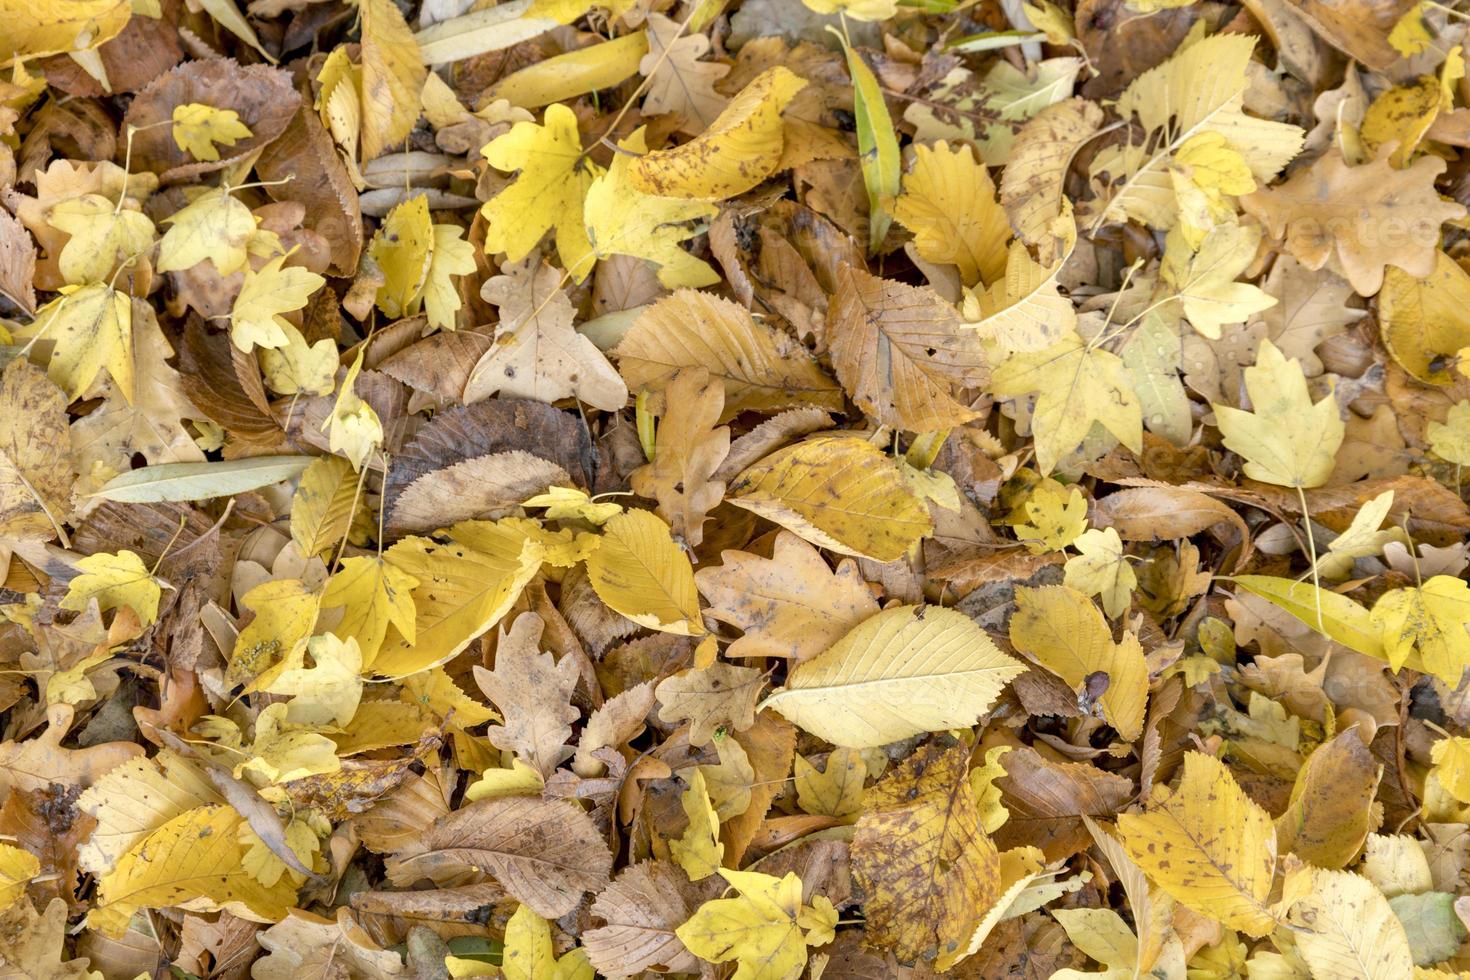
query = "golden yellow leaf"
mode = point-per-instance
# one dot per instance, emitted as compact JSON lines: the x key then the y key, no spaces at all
{"x":93,"y":329}
{"x":196,"y":859}
{"x":134,"y":799}
{"x":392,"y":77}
{"x":464,"y":587}
{"x":285,"y":615}
{"x":741,"y":148}
{"x":102,"y":236}
{"x":1428,"y":620}
{"x":114,"y":581}
{"x":255,"y":319}
{"x":1102,"y":569}
{"x":640,"y":572}
{"x":1285,"y":439}
{"x":321,"y":508}
{"x":372,"y":593}
{"x":699,"y":851}
{"x":907,"y":670}
{"x":1209,"y":846}
{"x":298,"y":366}
{"x":33,"y":30}
{"x":529,"y":954}
{"x":1067,"y":635}
{"x":565,"y":76}
{"x":839,"y":493}
{"x":765,"y":930}
{"x":17,"y":868}
{"x":353,"y":429}
{"x":949,"y":203}
{"x":1422,"y":318}
{"x":1203,"y":277}
{"x":835,"y":791}
{"x":198,"y":127}
{"x":327,"y":692}
{"x":547,"y":194}
{"x":403,"y":248}
{"x":621,"y":219}
{"x":1056,"y":516}
{"x":216,"y":225}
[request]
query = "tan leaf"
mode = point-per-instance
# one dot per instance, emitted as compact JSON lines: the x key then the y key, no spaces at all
{"x":533,"y":692}
{"x":721,"y":696}
{"x":689,"y":449}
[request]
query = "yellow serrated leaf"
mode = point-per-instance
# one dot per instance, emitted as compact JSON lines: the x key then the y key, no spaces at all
{"x":640,"y":572}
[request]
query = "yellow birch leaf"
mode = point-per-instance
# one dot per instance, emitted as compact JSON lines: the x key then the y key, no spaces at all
{"x":699,"y":851}
{"x":741,"y":148}
{"x":93,"y":329}
{"x":949,"y":203}
{"x":529,"y":954}
{"x":36,"y":29}
{"x":114,"y":581}
{"x":838,"y":493}
{"x":464,"y":588}
{"x":321,"y":508}
{"x":1067,"y":635}
{"x":1285,"y":439}
{"x":641,"y":573}
{"x":1346,"y":928}
{"x":392,"y":77}
{"x":195,"y":859}
{"x":907,"y":670}
{"x":765,"y":930}
{"x":255,"y":319}
{"x":622,"y":220}
{"x":216,"y":225}
{"x":198,"y":127}
{"x":1209,"y":846}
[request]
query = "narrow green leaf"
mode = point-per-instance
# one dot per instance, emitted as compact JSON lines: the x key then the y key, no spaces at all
{"x":201,"y":481}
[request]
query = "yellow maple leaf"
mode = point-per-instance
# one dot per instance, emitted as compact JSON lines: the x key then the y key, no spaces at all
{"x":1204,"y":278}
{"x":546,"y":195}
{"x":102,"y":235}
{"x":373,"y":594}
{"x":766,"y":929}
{"x":621,"y":219}
{"x":17,"y":868}
{"x":325,"y":693}
{"x":285,"y":614}
{"x":198,"y":127}
{"x":1102,"y":569}
{"x":281,"y":751}
{"x":835,"y":791}
{"x":1285,"y":439}
{"x":699,"y":851}
{"x":1057,"y":516}
{"x":93,"y":328}
{"x":216,"y":225}
{"x":297,"y":366}
{"x":1450,"y":439}
{"x":1077,"y":386}
{"x":1209,"y":845}
{"x":570,"y":503}
{"x":255,"y":319}
{"x":114,"y":581}
{"x":1429,"y":620}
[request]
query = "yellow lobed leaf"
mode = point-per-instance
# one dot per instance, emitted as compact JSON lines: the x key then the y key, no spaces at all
{"x":327,"y":692}
{"x":1209,"y":846}
{"x":198,"y":127}
{"x":529,"y":954}
{"x":907,"y":670}
{"x":949,"y":203}
{"x":548,"y":193}
{"x":102,"y":236}
{"x":216,"y":226}
{"x":1102,"y":569}
{"x":621,"y":219}
{"x":372,"y":594}
{"x":1450,"y":439}
{"x":93,"y":329}
{"x":835,"y":791}
{"x":1066,"y":634}
{"x":1431,"y":621}
{"x":114,"y":581}
{"x":353,"y":429}
{"x":1056,"y":515}
{"x":1077,"y":386}
{"x":194,"y":859}
{"x":766,"y":929}
{"x":403,"y":249}
{"x":789,"y":605}
{"x":741,"y":148}
{"x":1204,"y":278}
{"x":451,"y":256}
{"x":1285,"y":439}
{"x":255,"y":319}
{"x":839,"y":493}
{"x":641,"y":573}
{"x":392,"y":77}
{"x":1422,"y":318}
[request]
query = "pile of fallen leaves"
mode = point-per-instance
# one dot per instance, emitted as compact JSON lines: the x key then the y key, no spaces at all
{"x":734,"y":488}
